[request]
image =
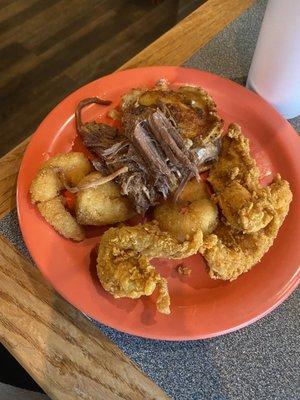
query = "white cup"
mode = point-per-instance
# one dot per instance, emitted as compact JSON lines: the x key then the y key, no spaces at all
{"x":275,"y":70}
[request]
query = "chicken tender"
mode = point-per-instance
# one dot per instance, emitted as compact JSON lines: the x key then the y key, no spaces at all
{"x":102,"y":205}
{"x":57,"y":172}
{"x":234,"y":162}
{"x":248,"y":211}
{"x":123,"y":264}
{"x":194,"y":210}
{"x":229,"y":252}
{"x":246,"y":205}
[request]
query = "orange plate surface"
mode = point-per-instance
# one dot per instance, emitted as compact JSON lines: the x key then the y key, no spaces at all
{"x":201,"y":307}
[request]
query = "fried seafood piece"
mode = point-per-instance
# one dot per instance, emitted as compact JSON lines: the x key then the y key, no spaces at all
{"x":101,"y":205}
{"x":229,"y":252}
{"x":49,"y":181}
{"x":193,"y":210}
{"x":60,"y":219}
{"x":57,"y":172}
{"x":246,"y":205}
{"x":123,"y":264}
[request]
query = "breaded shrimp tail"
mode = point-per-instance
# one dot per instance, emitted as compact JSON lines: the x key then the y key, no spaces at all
{"x":45,"y":190}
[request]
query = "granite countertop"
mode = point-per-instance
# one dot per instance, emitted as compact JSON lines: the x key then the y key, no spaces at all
{"x":258,"y":362}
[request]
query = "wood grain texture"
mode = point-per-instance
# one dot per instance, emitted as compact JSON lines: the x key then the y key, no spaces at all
{"x":49,"y":48}
{"x":9,"y":168}
{"x":173,"y":48}
{"x":180,"y":42}
{"x":66,"y":355}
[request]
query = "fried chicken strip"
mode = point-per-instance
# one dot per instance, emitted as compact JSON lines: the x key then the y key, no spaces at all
{"x":123,"y":265}
{"x":229,"y":252}
{"x":246,"y":205}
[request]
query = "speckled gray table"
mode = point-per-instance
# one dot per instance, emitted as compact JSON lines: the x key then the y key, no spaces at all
{"x":258,"y":362}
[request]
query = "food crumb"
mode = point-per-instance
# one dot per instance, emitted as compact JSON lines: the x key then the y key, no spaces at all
{"x":183,"y":270}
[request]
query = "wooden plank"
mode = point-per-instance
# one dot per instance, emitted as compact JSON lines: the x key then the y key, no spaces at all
{"x":64,"y":353}
{"x":193,"y":32}
{"x":108,"y":56}
{"x":12,"y":8}
{"x":173,"y":48}
{"x":9,"y":168}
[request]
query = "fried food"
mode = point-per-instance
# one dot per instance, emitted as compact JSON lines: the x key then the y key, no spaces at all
{"x":55,"y":173}
{"x":60,"y":219}
{"x":234,"y":162}
{"x":253,"y":214}
{"x":101,"y":205}
{"x":124,"y":268}
{"x":246,"y":205}
{"x":48,"y":183}
{"x":194,"y":210}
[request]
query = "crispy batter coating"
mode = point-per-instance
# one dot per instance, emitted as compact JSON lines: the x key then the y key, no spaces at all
{"x":230,"y":252}
{"x":246,"y":205}
{"x":75,"y":166}
{"x":247,"y":211}
{"x":60,"y":219}
{"x":45,"y":186}
{"x":45,"y":190}
{"x":194,"y":210}
{"x":123,"y":265}
{"x":48,"y":182}
{"x":102,"y":205}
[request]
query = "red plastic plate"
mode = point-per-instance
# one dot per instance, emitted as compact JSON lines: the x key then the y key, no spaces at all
{"x":201,"y":307}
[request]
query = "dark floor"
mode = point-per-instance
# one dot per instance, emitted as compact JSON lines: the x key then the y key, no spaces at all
{"x":13,"y":374}
{"x":48,"y":48}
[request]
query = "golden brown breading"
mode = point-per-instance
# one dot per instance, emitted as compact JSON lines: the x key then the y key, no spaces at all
{"x":234,"y":162}
{"x":246,"y":205}
{"x":194,"y":210}
{"x":229,"y":252}
{"x":48,"y":182}
{"x":247,"y":211}
{"x":60,"y":170}
{"x":74,"y":165}
{"x":60,"y":219}
{"x":102,"y":205}
{"x":123,"y":265}
{"x":46,"y":185}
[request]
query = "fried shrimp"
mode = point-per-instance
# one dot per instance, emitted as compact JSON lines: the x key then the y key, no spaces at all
{"x":63,"y":222}
{"x":101,"y":205}
{"x":123,"y":265}
{"x":194,"y":210}
{"x":52,"y":178}
{"x":69,"y":167}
